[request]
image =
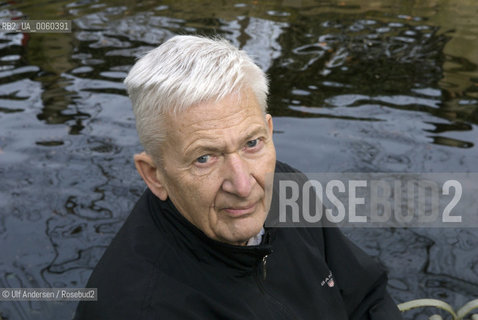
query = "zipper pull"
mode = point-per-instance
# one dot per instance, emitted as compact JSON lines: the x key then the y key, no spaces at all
{"x":264,"y":267}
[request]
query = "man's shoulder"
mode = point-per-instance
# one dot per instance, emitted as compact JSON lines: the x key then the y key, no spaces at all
{"x":139,"y":235}
{"x":128,"y":266}
{"x":282,"y":167}
{"x":288,"y":172}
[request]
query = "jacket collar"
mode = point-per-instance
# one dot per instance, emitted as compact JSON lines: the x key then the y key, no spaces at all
{"x":185,"y":236}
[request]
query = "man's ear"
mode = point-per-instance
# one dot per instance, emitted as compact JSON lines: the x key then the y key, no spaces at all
{"x":270,"y":125}
{"x":150,"y":174}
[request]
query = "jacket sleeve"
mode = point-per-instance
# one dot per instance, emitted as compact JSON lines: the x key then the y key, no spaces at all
{"x":362,"y":281}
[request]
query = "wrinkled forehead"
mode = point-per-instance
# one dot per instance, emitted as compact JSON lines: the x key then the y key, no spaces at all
{"x":236,"y":111}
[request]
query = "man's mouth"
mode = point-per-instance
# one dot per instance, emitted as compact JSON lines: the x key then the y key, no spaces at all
{"x":242,"y":209}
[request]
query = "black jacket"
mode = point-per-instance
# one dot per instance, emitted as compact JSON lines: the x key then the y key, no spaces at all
{"x":160,"y":266}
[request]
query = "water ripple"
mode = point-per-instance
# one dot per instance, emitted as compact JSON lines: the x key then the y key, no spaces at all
{"x":355,"y":86}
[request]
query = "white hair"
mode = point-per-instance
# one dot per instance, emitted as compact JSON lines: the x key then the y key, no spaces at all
{"x":183,"y":72}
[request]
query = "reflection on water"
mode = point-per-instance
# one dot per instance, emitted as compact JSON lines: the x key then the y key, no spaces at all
{"x":355,"y":86}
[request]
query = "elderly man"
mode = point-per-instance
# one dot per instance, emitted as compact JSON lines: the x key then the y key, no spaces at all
{"x":195,"y":245}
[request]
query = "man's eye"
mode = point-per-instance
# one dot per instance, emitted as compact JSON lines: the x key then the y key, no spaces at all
{"x":203,"y":159}
{"x":252,"y":143}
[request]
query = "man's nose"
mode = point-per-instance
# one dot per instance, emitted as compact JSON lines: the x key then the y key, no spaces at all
{"x":238,"y":179}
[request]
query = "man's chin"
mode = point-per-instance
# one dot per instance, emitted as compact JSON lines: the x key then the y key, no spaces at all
{"x":242,"y":235}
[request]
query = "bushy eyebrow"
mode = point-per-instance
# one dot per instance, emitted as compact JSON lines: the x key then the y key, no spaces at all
{"x":211,"y":145}
{"x":258,"y":131}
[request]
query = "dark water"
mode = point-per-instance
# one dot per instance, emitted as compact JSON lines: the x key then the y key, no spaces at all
{"x":355,"y":86}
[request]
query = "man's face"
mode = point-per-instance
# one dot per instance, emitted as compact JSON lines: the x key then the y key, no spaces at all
{"x":216,"y":158}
